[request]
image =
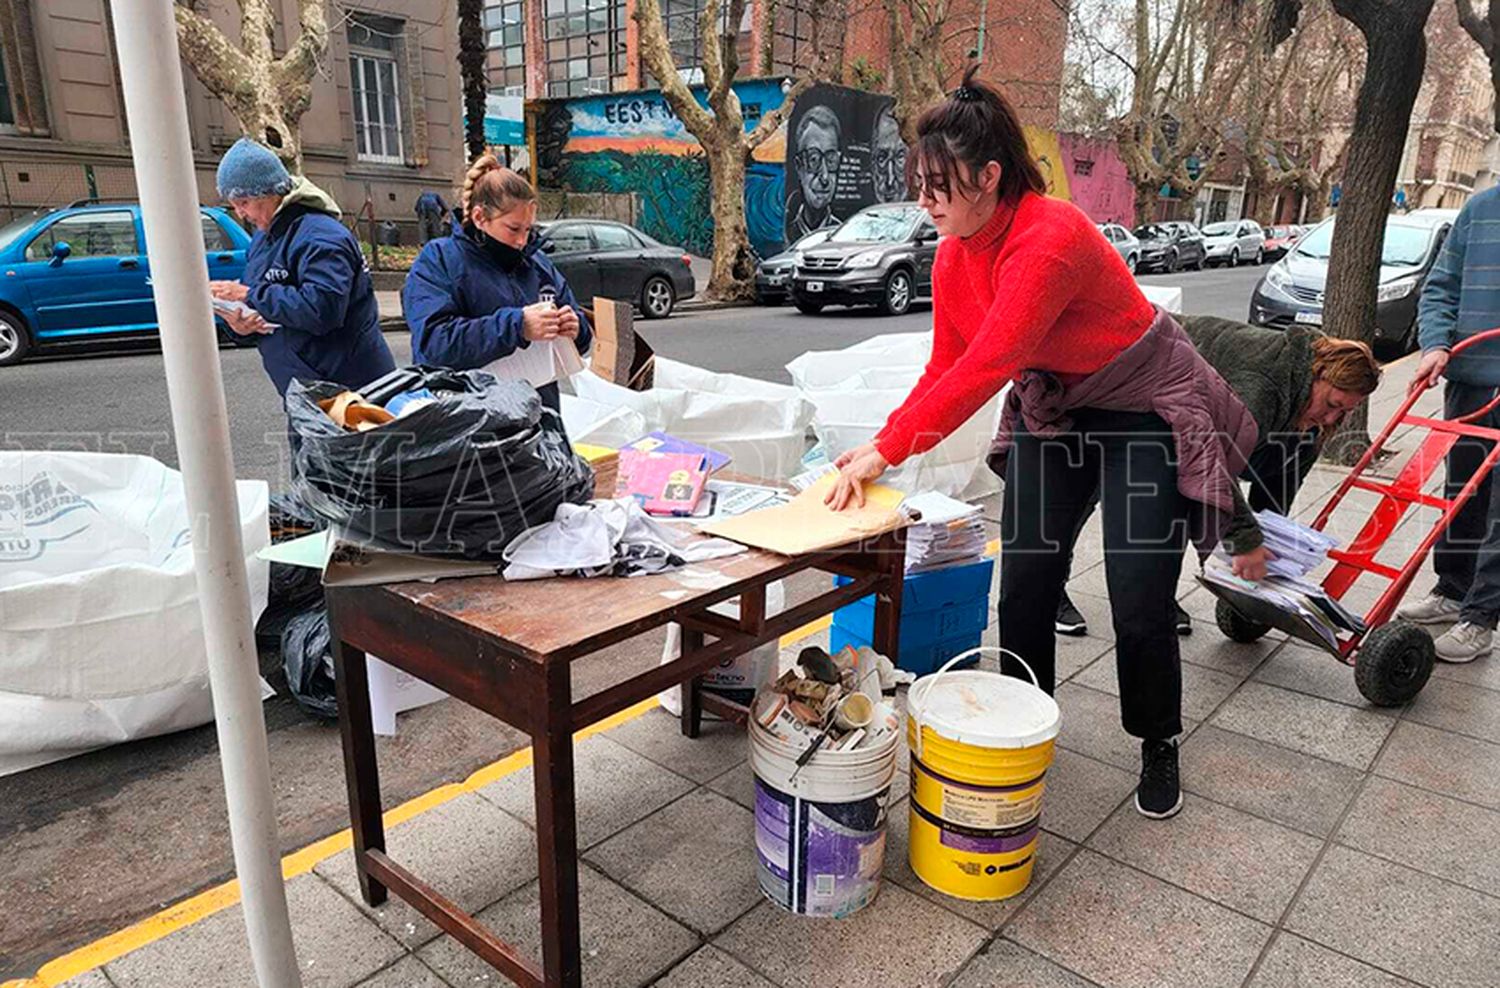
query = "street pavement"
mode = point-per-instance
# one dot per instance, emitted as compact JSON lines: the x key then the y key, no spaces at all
{"x":96,"y":842}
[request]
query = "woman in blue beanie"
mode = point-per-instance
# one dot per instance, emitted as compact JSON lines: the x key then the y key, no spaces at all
{"x":480,"y":298}
{"x":305,"y":277}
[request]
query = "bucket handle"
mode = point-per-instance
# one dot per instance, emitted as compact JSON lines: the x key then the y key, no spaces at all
{"x":978,"y":650}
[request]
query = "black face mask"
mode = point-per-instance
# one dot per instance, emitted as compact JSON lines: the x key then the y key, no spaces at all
{"x":509,"y":258}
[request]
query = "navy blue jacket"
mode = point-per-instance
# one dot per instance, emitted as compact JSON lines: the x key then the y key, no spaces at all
{"x":307,"y":274}
{"x":464,"y":309}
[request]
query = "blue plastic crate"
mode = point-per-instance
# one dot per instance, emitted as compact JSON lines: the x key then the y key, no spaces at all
{"x":943,"y":613}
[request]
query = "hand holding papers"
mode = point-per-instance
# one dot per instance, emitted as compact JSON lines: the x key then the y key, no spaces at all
{"x":806,"y":524}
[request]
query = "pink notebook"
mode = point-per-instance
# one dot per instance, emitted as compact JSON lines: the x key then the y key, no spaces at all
{"x":664,"y":483}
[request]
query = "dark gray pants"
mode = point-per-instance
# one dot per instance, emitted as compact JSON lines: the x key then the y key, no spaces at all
{"x":1467,"y":556}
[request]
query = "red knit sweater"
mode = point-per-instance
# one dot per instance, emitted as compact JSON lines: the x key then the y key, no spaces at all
{"x":1037,"y":288}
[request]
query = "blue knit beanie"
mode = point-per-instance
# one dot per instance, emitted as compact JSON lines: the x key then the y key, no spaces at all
{"x":250,"y":170}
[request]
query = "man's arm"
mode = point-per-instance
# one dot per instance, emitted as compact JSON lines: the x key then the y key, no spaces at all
{"x":1437,"y":310}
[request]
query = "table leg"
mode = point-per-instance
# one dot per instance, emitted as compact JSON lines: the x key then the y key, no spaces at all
{"x":557,"y":835}
{"x":890,"y":562}
{"x":362,"y":776}
{"x":692,"y":690}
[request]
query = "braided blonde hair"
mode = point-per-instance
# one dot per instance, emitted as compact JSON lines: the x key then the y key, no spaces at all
{"x":492,"y":187}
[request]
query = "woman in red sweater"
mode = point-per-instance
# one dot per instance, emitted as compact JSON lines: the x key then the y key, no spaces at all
{"x":1026,"y":283}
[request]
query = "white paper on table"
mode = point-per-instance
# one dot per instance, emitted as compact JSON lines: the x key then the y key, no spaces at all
{"x":543,"y":362}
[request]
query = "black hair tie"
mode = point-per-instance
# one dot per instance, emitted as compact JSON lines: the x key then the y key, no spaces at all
{"x":967,"y":94}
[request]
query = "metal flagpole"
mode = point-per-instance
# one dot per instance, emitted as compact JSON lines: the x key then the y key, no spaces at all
{"x":151,"y":76}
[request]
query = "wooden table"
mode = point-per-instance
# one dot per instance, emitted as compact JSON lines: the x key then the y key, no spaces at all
{"x":507,"y":648}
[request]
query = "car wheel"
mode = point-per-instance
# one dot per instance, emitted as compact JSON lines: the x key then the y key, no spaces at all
{"x":1234,"y":258}
{"x":1132,"y":262}
{"x":15,"y":339}
{"x":657,"y":298}
{"x":1173,"y":263}
{"x":897,"y":298}
{"x":1260,"y":256}
{"x":809,"y":308}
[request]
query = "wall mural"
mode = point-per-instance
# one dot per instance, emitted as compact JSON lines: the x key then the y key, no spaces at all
{"x":1097,"y":180}
{"x":844,"y":152}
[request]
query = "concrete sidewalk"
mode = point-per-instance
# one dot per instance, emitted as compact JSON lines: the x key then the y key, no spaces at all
{"x":1324,"y":842}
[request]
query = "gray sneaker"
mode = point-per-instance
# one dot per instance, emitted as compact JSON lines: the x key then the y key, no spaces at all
{"x":1432,"y":609}
{"x":1464,"y":642}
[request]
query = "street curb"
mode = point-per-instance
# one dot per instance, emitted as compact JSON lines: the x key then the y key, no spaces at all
{"x":705,"y":305}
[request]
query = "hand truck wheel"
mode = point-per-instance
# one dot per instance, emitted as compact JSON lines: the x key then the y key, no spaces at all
{"x":1236,"y":626}
{"x":1393,"y":663}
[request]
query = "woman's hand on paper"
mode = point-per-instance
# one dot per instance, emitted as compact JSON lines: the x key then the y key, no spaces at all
{"x":246,"y":323}
{"x":856,"y":467}
{"x":1252,"y":565}
{"x":541,"y":321}
{"x":229,"y":291}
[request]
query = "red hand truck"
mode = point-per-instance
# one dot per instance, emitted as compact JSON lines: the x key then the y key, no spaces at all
{"x":1392,"y":660}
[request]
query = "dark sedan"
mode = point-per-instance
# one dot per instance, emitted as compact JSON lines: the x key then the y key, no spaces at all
{"x":599,"y":257}
{"x":1170,"y":247}
{"x":773,"y":276}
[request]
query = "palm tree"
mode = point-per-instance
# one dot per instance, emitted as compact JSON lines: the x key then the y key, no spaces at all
{"x":471,"y":69}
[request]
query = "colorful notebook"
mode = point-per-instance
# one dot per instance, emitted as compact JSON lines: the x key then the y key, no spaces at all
{"x":662,"y":442}
{"x":664,"y":483}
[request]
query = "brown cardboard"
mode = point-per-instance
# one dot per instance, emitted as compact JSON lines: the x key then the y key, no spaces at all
{"x":620,"y":356}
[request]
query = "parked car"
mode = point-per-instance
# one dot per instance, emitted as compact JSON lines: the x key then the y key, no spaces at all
{"x":1291,"y":291}
{"x":1123,"y":241}
{"x":1234,"y":241}
{"x":600,"y":257}
{"x":881,"y":256}
{"x":1279,"y":240}
{"x":79,"y":276}
{"x":773,"y":276}
{"x":1170,"y":247}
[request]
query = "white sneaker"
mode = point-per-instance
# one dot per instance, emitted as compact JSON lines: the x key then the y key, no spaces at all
{"x":1432,"y":609}
{"x":1464,"y":642}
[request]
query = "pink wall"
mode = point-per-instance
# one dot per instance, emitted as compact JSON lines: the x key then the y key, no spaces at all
{"x":1097,"y":179}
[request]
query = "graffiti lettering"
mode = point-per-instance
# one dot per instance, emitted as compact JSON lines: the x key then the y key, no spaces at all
{"x":634,"y":111}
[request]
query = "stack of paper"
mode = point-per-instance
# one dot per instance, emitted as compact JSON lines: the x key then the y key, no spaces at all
{"x":944,"y":532}
{"x":606,"y":465}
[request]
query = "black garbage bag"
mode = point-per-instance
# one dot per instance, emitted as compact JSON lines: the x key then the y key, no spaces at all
{"x":307,"y":656}
{"x":292,"y":589}
{"x":459,"y":477}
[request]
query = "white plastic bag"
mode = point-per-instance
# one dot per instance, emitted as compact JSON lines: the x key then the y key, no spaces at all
{"x":592,"y":422}
{"x":740,"y":676}
{"x":760,"y":425}
{"x":101,"y":639}
{"x":855,"y":390}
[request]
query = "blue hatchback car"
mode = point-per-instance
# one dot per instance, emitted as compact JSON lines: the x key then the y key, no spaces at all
{"x":79,"y":276}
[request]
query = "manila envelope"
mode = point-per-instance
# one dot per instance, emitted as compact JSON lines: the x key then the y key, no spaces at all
{"x":806,"y":524}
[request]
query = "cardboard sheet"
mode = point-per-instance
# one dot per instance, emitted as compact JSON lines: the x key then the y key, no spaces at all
{"x":806,"y":524}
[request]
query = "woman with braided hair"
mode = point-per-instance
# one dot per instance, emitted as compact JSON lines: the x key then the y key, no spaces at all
{"x":1108,"y":394}
{"x":476,"y":297}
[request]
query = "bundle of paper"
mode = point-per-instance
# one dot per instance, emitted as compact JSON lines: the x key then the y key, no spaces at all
{"x":944,"y":532}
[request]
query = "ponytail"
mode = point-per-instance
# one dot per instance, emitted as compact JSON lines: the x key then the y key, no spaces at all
{"x":492,"y":187}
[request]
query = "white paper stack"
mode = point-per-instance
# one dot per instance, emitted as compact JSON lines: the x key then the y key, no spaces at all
{"x":949,"y":533}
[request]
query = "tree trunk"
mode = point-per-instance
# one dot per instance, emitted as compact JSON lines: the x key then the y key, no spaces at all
{"x":1396,"y":59}
{"x":733,"y":276}
{"x":471,"y":68}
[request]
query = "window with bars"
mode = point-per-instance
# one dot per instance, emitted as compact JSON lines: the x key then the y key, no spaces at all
{"x":795,"y":33}
{"x":374,"y":83}
{"x":585,"y":46}
{"x":7,"y":116}
{"x":505,"y":36}
{"x":683,"y":20}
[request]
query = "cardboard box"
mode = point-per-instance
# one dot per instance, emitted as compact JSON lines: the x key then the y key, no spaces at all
{"x":619,"y":355}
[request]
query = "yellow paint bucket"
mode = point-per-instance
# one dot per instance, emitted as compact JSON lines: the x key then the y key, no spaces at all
{"x":981,"y":744}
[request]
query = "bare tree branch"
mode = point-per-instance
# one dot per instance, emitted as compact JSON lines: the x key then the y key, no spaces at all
{"x":1480,"y":29}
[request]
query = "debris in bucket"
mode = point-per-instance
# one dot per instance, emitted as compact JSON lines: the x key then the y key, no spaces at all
{"x":815,"y":712}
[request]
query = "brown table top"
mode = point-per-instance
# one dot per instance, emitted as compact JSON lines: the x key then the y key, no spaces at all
{"x":575,"y":615}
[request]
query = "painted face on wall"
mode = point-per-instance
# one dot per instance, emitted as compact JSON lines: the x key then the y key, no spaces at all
{"x":888,"y":159}
{"x":818,"y":156}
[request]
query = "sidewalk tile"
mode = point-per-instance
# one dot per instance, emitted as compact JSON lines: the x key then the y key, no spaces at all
{"x":1293,"y":789}
{"x":626,"y":943}
{"x":1309,"y":670}
{"x":1443,"y":762}
{"x":1073,"y":654}
{"x":1208,"y":647}
{"x":710,"y":967}
{"x":1428,"y":832}
{"x":468,"y":849}
{"x":1203,"y":689}
{"x":1006,"y":963}
{"x":1297,"y":963}
{"x":615,"y":787}
{"x":95,"y":979}
{"x":337,"y":946}
{"x":657,"y":735}
{"x":737,"y":784}
{"x":1091,"y":726}
{"x":1220,"y":853}
{"x":899,"y":939}
{"x":1081,"y":792}
{"x":1118,"y":927}
{"x":1481,"y":672}
{"x":1401,"y":920}
{"x":1458,"y":707}
{"x":1052,"y":851}
{"x":694,"y":860}
{"x":408,"y":973}
{"x":1333,"y":731}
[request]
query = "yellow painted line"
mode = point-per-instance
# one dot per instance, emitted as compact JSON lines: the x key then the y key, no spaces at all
{"x":299,"y":862}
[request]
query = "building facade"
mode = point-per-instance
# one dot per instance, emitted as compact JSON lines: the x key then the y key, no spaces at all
{"x":1452,"y":121}
{"x":386,"y":119}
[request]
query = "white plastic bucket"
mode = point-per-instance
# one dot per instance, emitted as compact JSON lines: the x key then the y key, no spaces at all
{"x":820,"y":837}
